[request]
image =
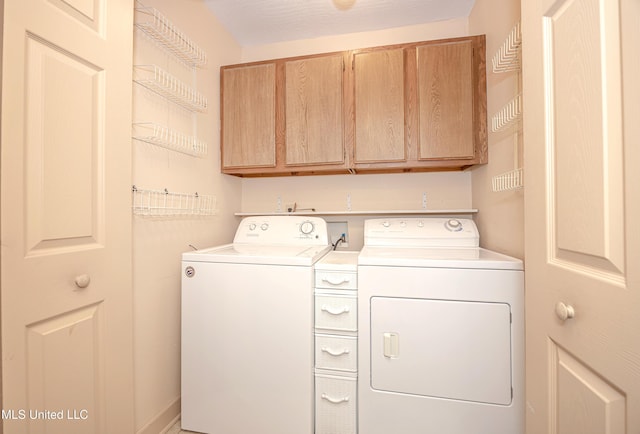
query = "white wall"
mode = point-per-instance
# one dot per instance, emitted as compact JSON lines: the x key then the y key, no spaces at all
{"x":501,"y":215}
{"x":159,"y":242}
{"x":351,"y":41}
{"x":396,"y":191}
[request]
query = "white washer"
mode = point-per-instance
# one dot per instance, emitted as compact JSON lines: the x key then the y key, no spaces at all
{"x":441,"y":331}
{"x":247,"y":328}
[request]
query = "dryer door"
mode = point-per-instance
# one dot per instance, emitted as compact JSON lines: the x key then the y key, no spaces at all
{"x":440,"y":348}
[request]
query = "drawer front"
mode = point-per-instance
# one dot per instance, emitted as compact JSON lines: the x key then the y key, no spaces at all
{"x":337,"y":352}
{"x":336,"y":279}
{"x":336,"y":313}
{"x":335,"y":405}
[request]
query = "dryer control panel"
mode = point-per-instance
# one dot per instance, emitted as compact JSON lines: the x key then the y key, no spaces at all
{"x":421,"y":232}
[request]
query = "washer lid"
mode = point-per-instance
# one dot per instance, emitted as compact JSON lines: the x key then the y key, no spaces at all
{"x":469,"y":257}
{"x":259,"y":254}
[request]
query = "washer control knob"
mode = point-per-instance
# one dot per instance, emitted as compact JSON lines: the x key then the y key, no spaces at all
{"x":264,"y":226}
{"x":453,"y":225}
{"x":252,"y":227}
{"x":306,"y":227}
{"x":386,"y":223}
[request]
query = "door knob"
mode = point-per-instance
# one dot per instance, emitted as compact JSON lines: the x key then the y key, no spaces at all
{"x":564,"y":311}
{"x":82,"y":281}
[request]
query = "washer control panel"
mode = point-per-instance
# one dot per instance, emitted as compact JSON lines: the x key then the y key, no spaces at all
{"x":290,"y":230}
{"x":421,"y":232}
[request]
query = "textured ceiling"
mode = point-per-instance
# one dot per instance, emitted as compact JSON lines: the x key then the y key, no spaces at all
{"x":254,"y":22}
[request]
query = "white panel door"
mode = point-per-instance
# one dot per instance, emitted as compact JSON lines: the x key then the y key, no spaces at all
{"x":65,"y":217}
{"x":582,"y":135}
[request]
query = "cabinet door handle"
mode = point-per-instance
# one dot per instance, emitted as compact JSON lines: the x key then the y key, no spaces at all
{"x":334,"y":400}
{"x":334,"y":281}
{"x":337,"y":311}
{"x":335,"y":353}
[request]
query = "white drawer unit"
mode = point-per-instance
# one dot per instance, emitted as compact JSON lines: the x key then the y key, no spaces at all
{"x":336,"y":279}
{"x":336,"y":344}
{"x":337,"y":352}
{"x":336,"y":312}
{"x":336,"y":404}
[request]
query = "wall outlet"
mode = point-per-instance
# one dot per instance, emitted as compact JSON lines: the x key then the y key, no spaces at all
{"x":337,"y":231}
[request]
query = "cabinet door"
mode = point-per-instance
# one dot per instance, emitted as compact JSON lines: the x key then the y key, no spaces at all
{"x":248,"y":116}
{"x":379,"y":106}
{"x":446,"y":100}
{"x":314,"y":110}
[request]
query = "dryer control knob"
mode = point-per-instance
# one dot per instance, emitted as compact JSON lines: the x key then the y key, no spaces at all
{"x":306,"y":227}
{"x":252,"y":227}
{"x":264,"y":226}
{"x":386,"y":224}
{"x":453,"y":225}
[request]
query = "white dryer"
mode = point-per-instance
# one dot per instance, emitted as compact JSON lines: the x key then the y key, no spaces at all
{"x":441,"y":331}
{"x":247,"y":328}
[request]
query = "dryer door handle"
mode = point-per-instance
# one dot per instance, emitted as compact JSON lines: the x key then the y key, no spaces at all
{"x":335,"y":311}
{"x":391,"y":347}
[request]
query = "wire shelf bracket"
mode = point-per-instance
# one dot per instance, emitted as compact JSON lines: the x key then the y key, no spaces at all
{"x":165,"y":137}
{"x":163,"y":203}
{"x":508,"y":58}
{"x":166,"y":85}
{"x":165,"y":34}
{"x":509,"y":116}
{"x":512,"y":180}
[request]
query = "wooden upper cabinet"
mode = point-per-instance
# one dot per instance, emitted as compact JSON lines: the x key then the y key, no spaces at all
{"x":379,"y":106}
{"x":421,"y":106}
{"x":248,"y":116}
{"x":445,"y":100}
{"x":314,"y":111}
{"x":407,"y":107}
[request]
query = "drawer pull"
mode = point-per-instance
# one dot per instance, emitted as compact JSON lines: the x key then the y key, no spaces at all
{"x":334,"y":400}
{"x":335,"y":281}
{"x":334,"y":352}
{"x":339,"y":311}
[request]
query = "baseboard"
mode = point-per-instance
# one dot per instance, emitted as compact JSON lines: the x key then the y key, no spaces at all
{"x":163,"y":421}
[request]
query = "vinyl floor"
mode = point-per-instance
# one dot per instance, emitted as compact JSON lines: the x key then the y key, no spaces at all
{"x":175,"y":429}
